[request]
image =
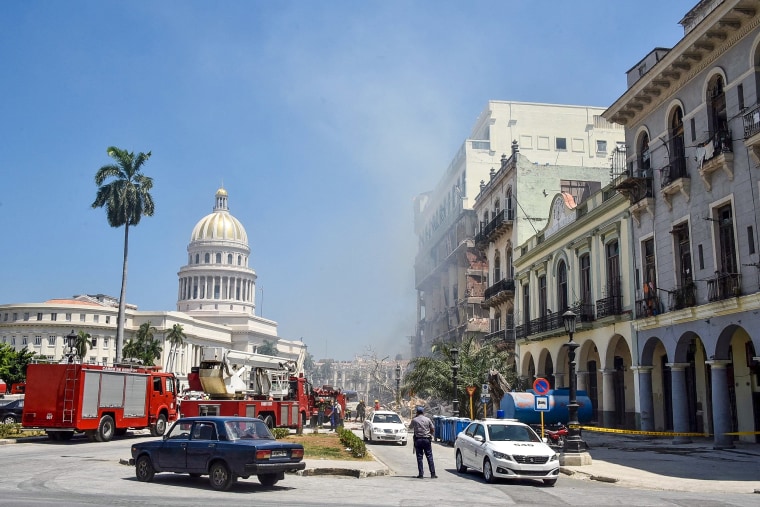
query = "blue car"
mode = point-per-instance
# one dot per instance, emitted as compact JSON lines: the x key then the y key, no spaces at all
{"x":224,"y":448}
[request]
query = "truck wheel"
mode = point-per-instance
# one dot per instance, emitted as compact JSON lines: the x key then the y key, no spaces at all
{"x":269,"y":421}
{"x":106,"y":429}
{"x":144,"y":469}
{"x":220,"y":477}
{"x":268,"y":480}
{"x":159,"y":428}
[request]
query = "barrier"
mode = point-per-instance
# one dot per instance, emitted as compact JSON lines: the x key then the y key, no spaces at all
{"x":659,"y":433}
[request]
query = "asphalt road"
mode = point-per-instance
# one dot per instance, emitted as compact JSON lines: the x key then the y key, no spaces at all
{"x":46,"y":473}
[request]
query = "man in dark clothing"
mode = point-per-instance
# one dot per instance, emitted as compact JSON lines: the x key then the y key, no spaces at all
{"x":424,"y":431}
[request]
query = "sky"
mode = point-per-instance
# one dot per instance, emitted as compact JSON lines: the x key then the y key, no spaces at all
{"x":323,"y":120}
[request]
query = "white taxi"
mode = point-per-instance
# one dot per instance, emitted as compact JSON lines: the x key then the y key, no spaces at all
{"x":503,"y":448}
{"x":384,"y":426}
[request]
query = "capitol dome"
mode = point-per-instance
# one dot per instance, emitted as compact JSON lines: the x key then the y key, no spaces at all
{"x":219,"y":225}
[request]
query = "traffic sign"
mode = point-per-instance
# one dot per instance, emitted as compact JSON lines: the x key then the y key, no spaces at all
{"x":541,"y":386}
{"x":542,"y":403}
{"x":484,"y":389}
{"x":471,"y":390}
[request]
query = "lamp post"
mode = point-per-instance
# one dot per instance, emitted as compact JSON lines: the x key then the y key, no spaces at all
{"x":574,"y":443}
{"x":71,"y":339}
{"x":454,"y":370}
{"x":398,"y":385}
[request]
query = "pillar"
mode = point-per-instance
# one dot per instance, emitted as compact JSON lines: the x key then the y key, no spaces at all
{"x":608,"y":398}
{"x":680,"y":404}
{"x":721,"y":409}
{"x":646,"y":401}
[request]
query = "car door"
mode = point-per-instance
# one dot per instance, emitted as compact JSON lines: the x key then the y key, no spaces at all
{"x":172,"y":456}
{"x":202,"y":446}
{"x":478,"y":447}
{"x":467,"y":444}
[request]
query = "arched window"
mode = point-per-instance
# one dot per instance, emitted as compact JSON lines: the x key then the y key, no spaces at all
{"x":509,"y":205}
{"x":677,"y":167}
{"x":240,"y":259}
{"x":229,"y":258}
{"x":562,"y":304}
{"x":643,"y":156}
{"x":510,"y":271}
{"x":496,"y":269}
{"x":197,"y":259}
{"x":207,"y":258}
{"x":718,"y":120}
{"x":218,"y":258}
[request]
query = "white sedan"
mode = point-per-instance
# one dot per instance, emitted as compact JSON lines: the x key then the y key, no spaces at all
{"x":501,"y":448}
{"x":384,"y":426}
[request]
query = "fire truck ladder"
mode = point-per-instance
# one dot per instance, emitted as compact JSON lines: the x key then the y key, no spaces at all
{"x":69,"y":392}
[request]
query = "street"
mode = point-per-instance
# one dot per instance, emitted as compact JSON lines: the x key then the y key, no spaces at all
{"x":44,"y":473}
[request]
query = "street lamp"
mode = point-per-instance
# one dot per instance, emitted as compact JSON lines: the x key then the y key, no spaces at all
{"x":574,"y":443}
{"x":398,"y":385}
{"x":454,"y":370}
{"x":71,"y":339}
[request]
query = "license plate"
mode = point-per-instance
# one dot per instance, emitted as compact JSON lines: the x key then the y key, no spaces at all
{"x":279,"y":454}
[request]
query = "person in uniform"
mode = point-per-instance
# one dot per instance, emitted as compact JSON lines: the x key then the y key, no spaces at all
{"x":423,"y":433}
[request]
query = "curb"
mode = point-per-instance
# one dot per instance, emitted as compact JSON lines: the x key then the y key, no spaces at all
{"x":586,"y":476}
{"x":346,"y":472}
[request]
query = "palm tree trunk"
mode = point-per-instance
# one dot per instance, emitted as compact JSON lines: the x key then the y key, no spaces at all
{"x":122,"y":298}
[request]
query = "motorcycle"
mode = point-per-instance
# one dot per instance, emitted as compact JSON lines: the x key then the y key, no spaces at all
{"x":557,"y":437}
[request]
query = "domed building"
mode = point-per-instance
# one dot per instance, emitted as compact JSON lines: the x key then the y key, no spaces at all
{"x":217,"y":278}
{"x":216,"y":303}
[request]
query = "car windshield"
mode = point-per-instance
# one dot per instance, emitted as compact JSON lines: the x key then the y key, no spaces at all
{"x":245,"y":429}
{"x":387,"y":418}
{"x":511,"y":433}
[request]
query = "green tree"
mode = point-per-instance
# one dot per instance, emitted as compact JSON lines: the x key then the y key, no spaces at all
{"x":431,"y":377}
{"x":82,"y":344}
{"x":13,"y":363}
{"x":125,"y":193}
{"x":143,"y":347}
{"x":176,"y":338}
{"x":268,"y":349}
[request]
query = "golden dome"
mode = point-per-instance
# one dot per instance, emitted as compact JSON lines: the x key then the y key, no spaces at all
{"x":219,"y":225}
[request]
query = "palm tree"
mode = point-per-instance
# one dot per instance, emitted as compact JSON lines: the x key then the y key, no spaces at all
{"x":144,"y":346}
{"x":82,"y":344}
{"x":126,"y":197}
{"x":131,"y":350}
{"x":176,"y":338}
{"x":268,"y":349}
{"x":432,"y":376}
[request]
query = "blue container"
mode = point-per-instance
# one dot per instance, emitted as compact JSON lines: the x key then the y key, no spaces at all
{"x":460,"y":424}
{"x":522,"y":406}
{"x":438,"y":426}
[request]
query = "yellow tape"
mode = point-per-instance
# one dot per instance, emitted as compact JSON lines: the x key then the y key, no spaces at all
{"x":658,"y":433}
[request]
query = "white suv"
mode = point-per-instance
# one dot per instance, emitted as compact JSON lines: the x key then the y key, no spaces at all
{"x":503,"y":448}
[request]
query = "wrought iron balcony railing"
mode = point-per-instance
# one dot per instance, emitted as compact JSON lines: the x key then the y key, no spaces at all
{"x":682,"y":297}
{"x":503,"y":285}
{"x":724,"y":286}
{"x":674,"y":171}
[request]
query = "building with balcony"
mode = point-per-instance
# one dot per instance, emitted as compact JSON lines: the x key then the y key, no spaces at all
{"x":692,"y":180}
{"x":580,"y":261}
{"x":451,"y":268}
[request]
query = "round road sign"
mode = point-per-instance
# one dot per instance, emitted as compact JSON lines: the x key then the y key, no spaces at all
{"x":541,"y":386}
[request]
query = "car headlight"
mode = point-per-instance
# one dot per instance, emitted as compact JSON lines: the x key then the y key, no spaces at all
{"x":555,"y":457}
{"x":501,"y":455}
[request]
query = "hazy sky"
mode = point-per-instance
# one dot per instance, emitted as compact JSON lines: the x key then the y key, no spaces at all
{"x":323,"y":120}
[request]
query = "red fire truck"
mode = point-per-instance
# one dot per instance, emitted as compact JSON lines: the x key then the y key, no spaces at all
{"x":100,"y":401}
{"x":237,"y":383}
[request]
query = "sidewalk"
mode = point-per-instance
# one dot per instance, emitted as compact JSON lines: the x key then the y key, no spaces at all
{"x":657,"y":463}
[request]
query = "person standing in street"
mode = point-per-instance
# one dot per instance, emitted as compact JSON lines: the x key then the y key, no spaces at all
{"x":423,"y":433}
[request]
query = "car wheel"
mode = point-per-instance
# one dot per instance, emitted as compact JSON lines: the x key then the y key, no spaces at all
{"x":220,"y":476}
{"x":268,"y":480}
{"x":159,"y":428}
{"x":106,"y":429}
{"x":364,"y":435}
{"x":460,"y":464}
{"x":144,"y":469}
{"x":9,"y":419}
{"x":488,"y":471}
{"x":550,"y":482}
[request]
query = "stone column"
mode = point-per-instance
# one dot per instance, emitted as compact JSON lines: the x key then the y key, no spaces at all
{"x":646,"y":402}
{"x":608,"y":398}
{"x":721,"y":409}
{"x":582,"y":380}
{"x":680,"y":404}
